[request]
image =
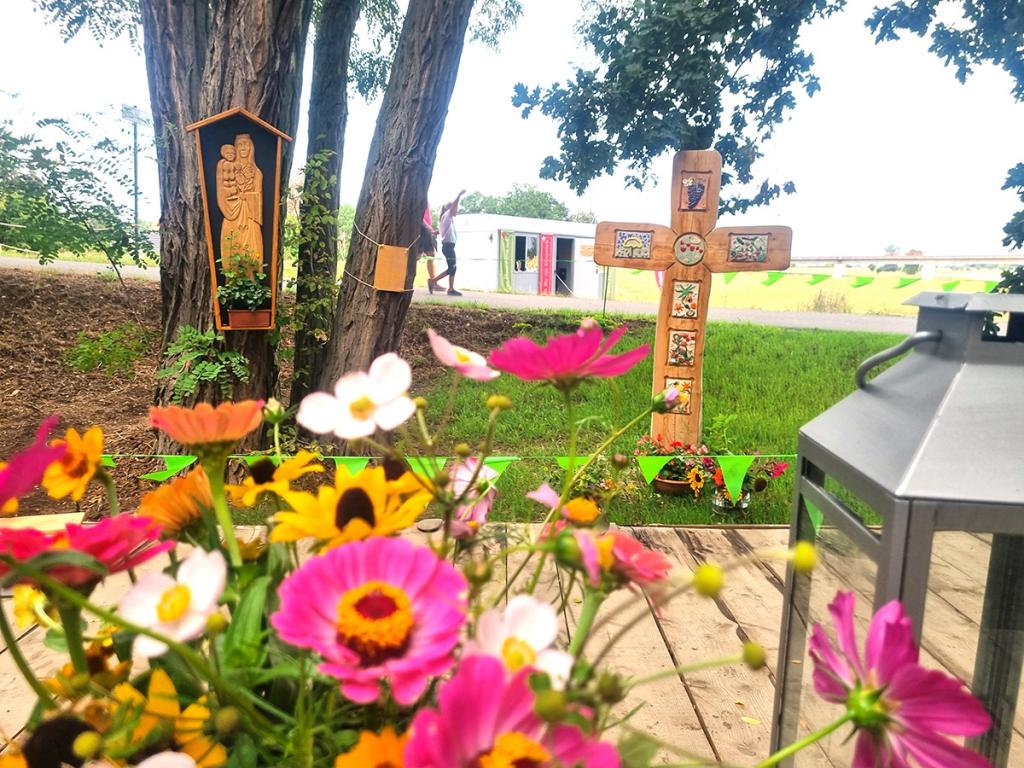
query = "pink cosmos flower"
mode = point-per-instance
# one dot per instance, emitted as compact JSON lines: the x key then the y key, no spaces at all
{"x":634,"y":561}
{"x":473,"y":512}
{"x":903,"y":708}
{"x":24,"y":470}
{"x":565,"y":360}
{"x":376,"y":610}
{"x":485,"y":718}
{"x":469,"y":364}
{"x":118,"y":543}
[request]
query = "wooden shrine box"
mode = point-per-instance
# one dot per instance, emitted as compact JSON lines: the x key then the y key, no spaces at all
{"x":240,"y":175}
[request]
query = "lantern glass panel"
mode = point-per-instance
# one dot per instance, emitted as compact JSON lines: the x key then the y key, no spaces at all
{"x":843,"y":567}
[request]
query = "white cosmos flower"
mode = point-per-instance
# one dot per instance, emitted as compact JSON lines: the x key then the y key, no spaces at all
{"x":522,"y":636}
{"x":176,"y":607}
{"x":362,"y":402}
{"x":168,"y":760}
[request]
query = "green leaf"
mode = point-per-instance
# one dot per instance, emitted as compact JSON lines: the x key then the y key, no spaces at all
{"x":243,"y":753}
{"x":242,"y":641}
{"x":637,"y":751}
{"x":56,"y":640}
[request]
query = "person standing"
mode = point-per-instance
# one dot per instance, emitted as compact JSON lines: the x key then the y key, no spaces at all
{"x":448,"y":237}
{"x":428,"y":245}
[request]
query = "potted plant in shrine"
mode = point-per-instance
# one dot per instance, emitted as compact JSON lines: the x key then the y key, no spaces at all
{"x":247,"y":300}
{"x":686,"y":473}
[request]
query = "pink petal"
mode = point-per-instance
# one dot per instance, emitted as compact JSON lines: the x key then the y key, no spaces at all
{"x":545,"y":495}
{"x":890,"y":644}
{"x":933,"y":751}
{"x":442,"y":348}
{"x":842,"y":608}
{"x":394,"y":413}
{"x":933,"y":701}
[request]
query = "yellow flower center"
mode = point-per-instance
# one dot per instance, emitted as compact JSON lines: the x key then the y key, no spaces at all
{"x":462,"y":356}
{"x":173,"y":603}
{"x":605,"y":545}
{"x":582,"y":511}
{"x":375,"y":620}
{"x":514,"y":750}
{"x":362,"y":408}
{"x":517,"y":654}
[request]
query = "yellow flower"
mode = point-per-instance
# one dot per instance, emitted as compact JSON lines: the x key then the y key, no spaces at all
{"x":355,"y":507}
{"x":696,"y":480}
{"x":581,"y":511}
{"x":102,"y":673}
{"x":190,"y":733}
{"x":178,"y":503}
{"x":264,"y":477}
{"x":9,"y":507}
{"x":70,"y":476}
{"x":373,"y":751}
{"x":17,"y":760}
{"x":26,"y":601}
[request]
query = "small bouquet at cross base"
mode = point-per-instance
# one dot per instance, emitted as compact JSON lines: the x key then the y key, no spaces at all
{"x":335,"y":640}
{"x":757,"y":478}
{"x":689,"y":464}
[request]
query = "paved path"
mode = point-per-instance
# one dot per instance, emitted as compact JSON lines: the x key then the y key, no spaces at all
{"x":513,"y":301}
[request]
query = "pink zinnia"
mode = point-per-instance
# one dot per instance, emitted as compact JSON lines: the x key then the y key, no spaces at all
{"x":485,"y":717}
{"x":476,"y":507}
{"x":902,"y":709}
{"x":24,"y":470}
{"x":376,"y":610}
{"x":470,"y":364}
{"x":565,"y":360}
{"x":118,"y":543}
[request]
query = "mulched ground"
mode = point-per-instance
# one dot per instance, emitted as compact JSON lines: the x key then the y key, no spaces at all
{"x":42,"y":315}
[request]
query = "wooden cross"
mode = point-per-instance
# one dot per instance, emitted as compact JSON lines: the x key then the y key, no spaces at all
{"x":689,"y":252}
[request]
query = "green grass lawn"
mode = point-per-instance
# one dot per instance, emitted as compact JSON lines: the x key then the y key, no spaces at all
{"x":772,"y":379}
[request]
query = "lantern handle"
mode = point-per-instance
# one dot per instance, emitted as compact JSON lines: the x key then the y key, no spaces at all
{"x":888,"y":354}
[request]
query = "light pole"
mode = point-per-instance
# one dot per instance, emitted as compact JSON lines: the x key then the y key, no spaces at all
{"x":133,"y":115}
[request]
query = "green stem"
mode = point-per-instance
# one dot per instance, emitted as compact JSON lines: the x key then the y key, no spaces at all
{"x":795,"y":747}
{"x":111,"y":489}
{"x":592,"y":600}
{"x":684,"y":669}
{"x":71,"y":619}
{"x":22,"y":664}
{"x":222,"y":513}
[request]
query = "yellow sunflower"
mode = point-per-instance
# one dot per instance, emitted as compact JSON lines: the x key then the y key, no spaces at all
{"x":696,"y":480}
{"x":355,"y":507}
{"x":70,"y":476}
{"x":373,"y":751}
{"x":264,"y":477}
{"x":177,"y":504}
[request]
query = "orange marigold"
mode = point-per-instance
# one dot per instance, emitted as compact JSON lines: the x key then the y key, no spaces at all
{"x":206,"y":425}
{"x":179,"y":502}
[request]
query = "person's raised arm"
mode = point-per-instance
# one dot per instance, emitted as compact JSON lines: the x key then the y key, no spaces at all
{"x":455,"y":203}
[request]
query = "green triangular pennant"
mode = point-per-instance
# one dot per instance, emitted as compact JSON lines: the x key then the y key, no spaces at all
{"x":174,"y":465}
{"x":860,"y":282}
{"x":426,"y":465}
{"x":729,"y":276}
{"x":815,"y":515}
{"x":354,"y":464}
{"x":106,"y":460}
{"x":990,"y":285}
{"x":500,"y":463}
{"x":950,"y":286}
{"x":252,"y":458}
{"x":905,"y":281}
{"x":815,"y":279}
{"x":650,"y":466}
{"x":734,"y":469}
{"x":563,"y":461}
{"x":774,"y":277}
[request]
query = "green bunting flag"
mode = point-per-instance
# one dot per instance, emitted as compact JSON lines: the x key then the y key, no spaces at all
{"x":815,"y":279}
{"x":500,"y":463}
{"x":734,"y":469}
{"x":106,"y":460}
{"x":860,"y":282}
{"x":252,"y":458}
{"x":650,"y":466}
{"x":174,"y":465}
{"x":729,"y":276}
{"x":353,"y":464}
{"x":950,"y":286}
{"x":815,"y":515}
{"x":905,"y":281}
{"x":990,"y":285}
{"x":426,"y":465}
{"x":563,"y":462}
{"x":773,"y":277}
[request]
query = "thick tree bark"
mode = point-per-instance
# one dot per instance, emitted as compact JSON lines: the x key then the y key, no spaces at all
{"x":401,"y":161}
{"x":321,"y":193}
{"x":201,"y":59}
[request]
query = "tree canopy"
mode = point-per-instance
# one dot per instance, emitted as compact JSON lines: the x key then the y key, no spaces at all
{"x":522,"y":200}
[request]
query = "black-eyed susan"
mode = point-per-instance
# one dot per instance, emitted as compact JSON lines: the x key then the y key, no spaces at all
{"x":696,"y":480}
{"x":373,"y":751}
{"x":355,"y":507}
{"x":71,"y":475}
{"x":265,"y":477}
{"x":178,"y":504}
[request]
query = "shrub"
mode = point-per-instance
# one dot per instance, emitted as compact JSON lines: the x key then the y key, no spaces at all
{"x":114,"y":352}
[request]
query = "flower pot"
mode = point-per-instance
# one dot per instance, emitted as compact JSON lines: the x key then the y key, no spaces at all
{"x":672,"y":487}
{"x":249,"y":318}
{"x":723,"y":506}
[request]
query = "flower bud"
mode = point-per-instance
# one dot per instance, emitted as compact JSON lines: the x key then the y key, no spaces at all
{"x":499,"y":402}
{"x":274,"y":412}
{"x":216,"y":623}
{"x":227,"y":720}
{"x":567,"y":550}
{"x":79,"y":682}
{"x":441,"y":479}
{"x":86,"y":744}
{"x":420,"y":403}
{"x":620,"y":461}
{"x":462,"y":450}
{"x":665,"y":401}
{"x":477,"y":572}
{"x":610,"y":688}
{"x":753,"y":655}
{"x":588,"y":324}
{"x":550,"y":706}
{"x":805,"y":557}
{"x":708,"y":580}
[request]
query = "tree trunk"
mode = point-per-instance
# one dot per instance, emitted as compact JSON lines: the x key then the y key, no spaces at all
{"x":369,"y":323}
{"x":202,"y":59}
{"x":321,"y":193}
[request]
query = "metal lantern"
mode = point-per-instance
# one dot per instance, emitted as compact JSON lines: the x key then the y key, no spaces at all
{"x":912,"y":489}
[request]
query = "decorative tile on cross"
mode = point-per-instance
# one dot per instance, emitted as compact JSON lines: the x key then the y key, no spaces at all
{"x":688,"y":253}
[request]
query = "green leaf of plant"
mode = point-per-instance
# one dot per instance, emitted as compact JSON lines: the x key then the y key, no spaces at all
{"x":637,"y":751}
{"x":55,"y":640}
{"x":242,"y":646}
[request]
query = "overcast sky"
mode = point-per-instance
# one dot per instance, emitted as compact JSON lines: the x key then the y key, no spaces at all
{"x":893,"y":150}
